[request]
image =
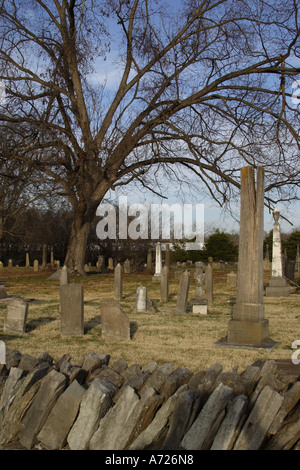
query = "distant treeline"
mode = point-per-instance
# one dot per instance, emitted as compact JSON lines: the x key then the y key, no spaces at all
{"x":32,"y":228}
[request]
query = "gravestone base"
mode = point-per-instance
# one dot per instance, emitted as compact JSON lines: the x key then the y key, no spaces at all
{"x":199,"y":306}
{"x":156,"y":278}
{"x":278,"y":287}
{"x":246,"y":332}
{"x":268,"y":344}
{"x":199,"y":309}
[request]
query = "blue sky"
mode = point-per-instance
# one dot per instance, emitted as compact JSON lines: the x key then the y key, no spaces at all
{"x":215,"y":217}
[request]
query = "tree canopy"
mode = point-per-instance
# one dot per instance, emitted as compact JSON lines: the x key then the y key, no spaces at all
{"x":202,"y":88}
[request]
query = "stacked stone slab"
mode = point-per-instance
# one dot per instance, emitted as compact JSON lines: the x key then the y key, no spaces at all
{"x":99,"y":404}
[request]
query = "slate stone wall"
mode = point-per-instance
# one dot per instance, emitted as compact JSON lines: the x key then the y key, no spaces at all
{"x":105,"y":405}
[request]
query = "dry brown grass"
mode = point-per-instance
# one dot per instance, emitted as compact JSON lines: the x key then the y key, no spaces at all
{"x":160,"y":336}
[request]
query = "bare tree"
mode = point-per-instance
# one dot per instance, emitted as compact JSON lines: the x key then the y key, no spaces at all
{"x":207,"y":87}
{"x":20,"y":183}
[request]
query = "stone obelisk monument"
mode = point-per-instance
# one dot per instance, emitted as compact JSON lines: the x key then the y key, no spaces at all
{"x":278,"y":286}
{"x":158,"y":263}
{"x":248,"y":326}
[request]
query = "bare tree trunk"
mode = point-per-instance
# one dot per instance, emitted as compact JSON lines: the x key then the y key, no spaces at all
{"x":84,"y":214}
{"x":75,"y":257}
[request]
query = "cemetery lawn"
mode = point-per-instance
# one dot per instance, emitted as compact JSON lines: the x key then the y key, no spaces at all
{"x":160,"y":336}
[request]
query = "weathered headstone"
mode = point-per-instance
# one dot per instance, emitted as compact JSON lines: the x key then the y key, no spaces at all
{"x":100,"y":263}
{"x":278,"y":286}
{"x":44,"y":258}
{"x":209,"y":282}
{"x":149,"y":259}
{"x":10,"y":263}
{"x":63,"y":279}
{"x":141,"y":299}
{"x":110,"y":266}
{"x":289,"y":270}
{"x":36,"y":266}
{"x":2,"y":353}
{"x":199,"y":303}
{"x":3,"y":293}
{"x":267,"y":253}
{"x":72,"y":312}
{"x":198,"y":280}
{"x":167,"y":255}
{"x":248,"y":325}
{"x":183,"y":292}
{"x":158,"y":263}
{"x":231,"y":279}
{"x":297,"y":267}
{"x":64,"y":276}
{"x":115,"y":323}
{"x":127,"y":266}
{"x":1,"y":265}
{"x":16,"y":315}
{"x":164,"y":284}
{"x":267,"y":264}
{"x":27,"y":262}
{"x":284,"y":260}
{"x":118,"y":282}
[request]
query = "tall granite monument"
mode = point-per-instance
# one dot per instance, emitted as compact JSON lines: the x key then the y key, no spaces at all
{"x":248,"y":326}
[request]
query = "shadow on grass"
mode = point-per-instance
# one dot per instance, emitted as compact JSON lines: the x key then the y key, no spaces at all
{"x":37,"y":322}
{"x":92,"y":323}
{"x":133,"y":328}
